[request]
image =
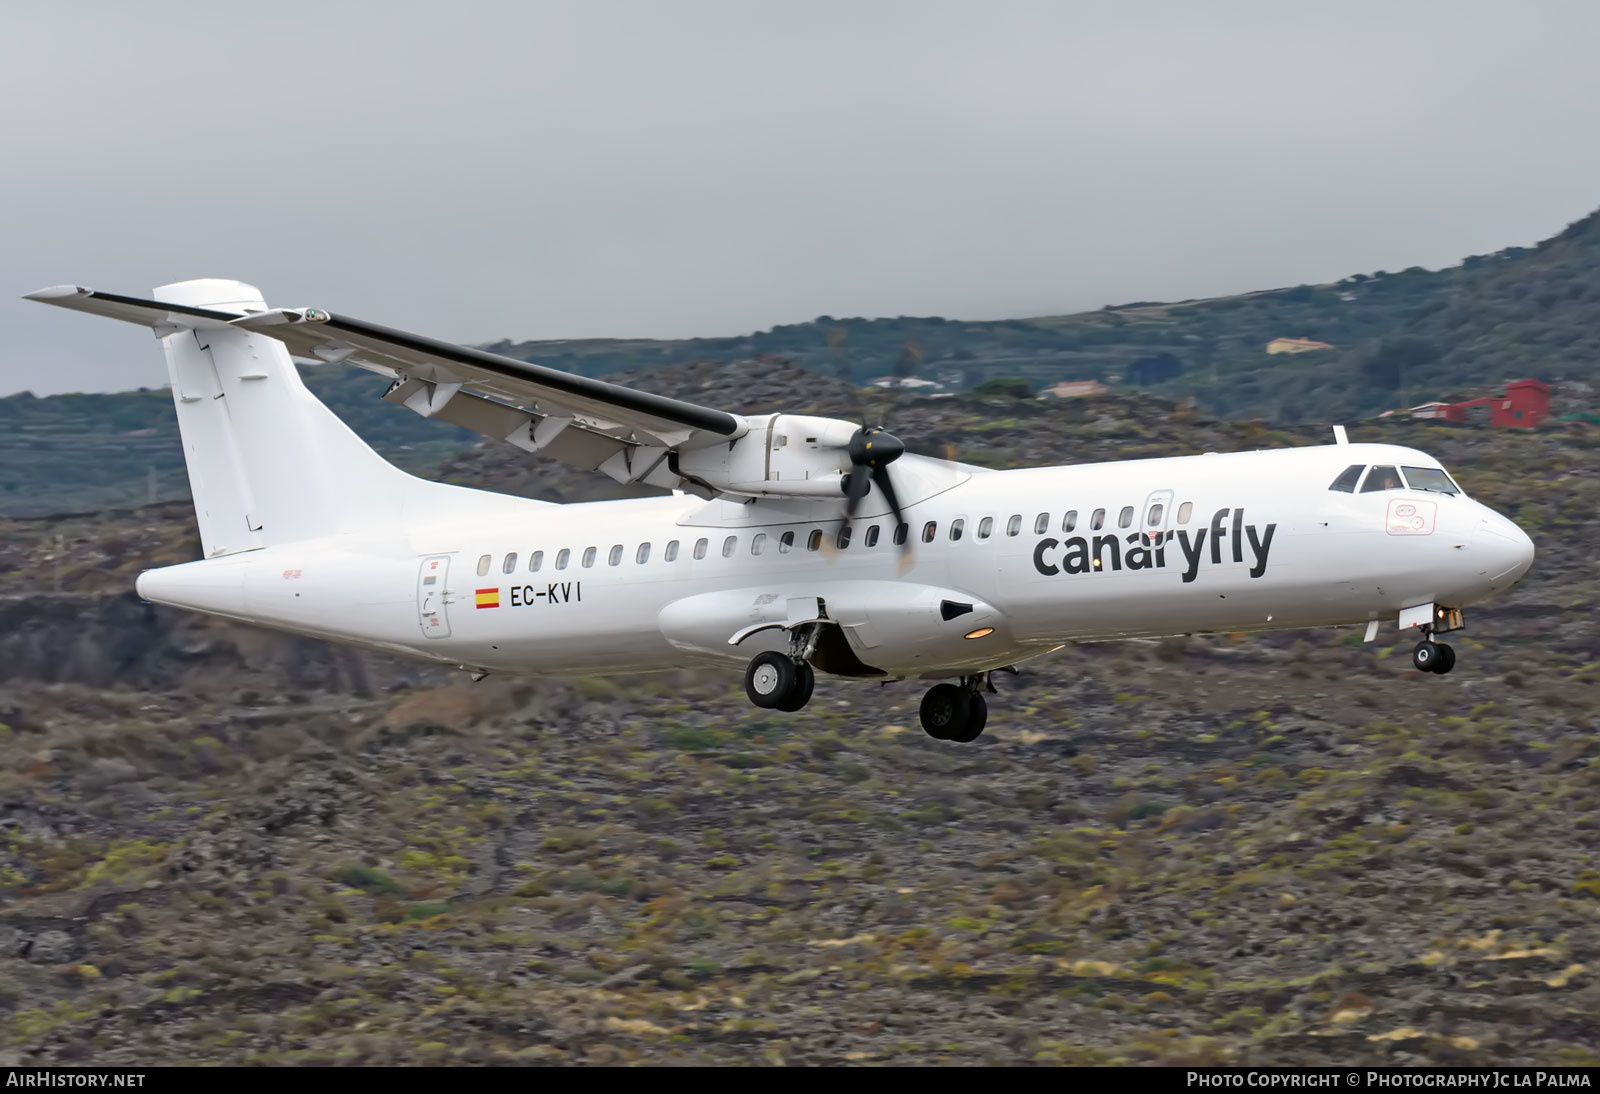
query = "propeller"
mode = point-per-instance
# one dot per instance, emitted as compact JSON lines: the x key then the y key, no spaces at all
{"x":871,"y":450}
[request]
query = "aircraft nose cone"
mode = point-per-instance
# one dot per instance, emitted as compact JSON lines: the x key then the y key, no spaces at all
{"x":1505,"y":551}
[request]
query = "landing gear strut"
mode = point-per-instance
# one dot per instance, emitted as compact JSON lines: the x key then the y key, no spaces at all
{"x":956,"y":712}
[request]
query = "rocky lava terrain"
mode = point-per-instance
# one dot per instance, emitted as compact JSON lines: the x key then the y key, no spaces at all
{"x":223,"y":845}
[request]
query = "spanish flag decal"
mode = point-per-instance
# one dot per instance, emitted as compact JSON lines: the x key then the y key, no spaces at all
{"x":488,"y":598}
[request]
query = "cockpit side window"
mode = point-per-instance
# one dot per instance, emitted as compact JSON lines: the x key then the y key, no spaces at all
{"x":1430,"y":478}
{"x":1348,"y":478}
{"x":1382,"y":477}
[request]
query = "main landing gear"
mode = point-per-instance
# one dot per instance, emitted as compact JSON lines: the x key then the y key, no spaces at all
{"x":776,"y":681}
{"x":956,"y":712}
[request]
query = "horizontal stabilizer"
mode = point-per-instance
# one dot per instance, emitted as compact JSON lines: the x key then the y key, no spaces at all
{"x":156,"y":314}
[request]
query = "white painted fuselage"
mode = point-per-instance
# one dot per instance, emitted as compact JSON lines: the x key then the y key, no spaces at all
{"x":1217,"y":542}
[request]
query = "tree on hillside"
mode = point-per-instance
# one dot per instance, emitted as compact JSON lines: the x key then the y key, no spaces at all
{"x":1013,"y":387}
{"x":1153,"y":369}
{"x":1385,"y":363}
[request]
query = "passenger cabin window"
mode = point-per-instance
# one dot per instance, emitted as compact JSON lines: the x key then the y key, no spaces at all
{"x":1381,"y":478}
{"x":844,"y":537}
{"x":561,"y":558}
{"x":589,"y":554}
{"x":1430,"y":478}
{"x":1098,"y":521}
{"x":615,"y":558}
{"x":1014,"y":525}
{"x":1041,"y":524}
{"x":700,"y":546}
{"x":1185,"y":511}
{"x":1070,"y":521}
{"x":985,"y":526}
{"x":785,"y":543}
{"x":1153,"y":518}
{"x":814,"y":540}
{"x":1125,"y":518}
{"x":483,"y":565}
{"x":930,"y":530}
{"x":957,"y":526}
{"x":1346,"y":482}
{"x":509,"y":564}
{"x":872,"y":536}
{"x":900,"y":532}
{"x":642,"y":555}
{"x":535,"y":561}
{"x":759,"y":543}
{"x":671,"y":553}
{"x":730,"y":545}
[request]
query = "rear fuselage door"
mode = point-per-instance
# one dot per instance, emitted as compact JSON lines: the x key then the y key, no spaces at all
{"x":431,"y":611}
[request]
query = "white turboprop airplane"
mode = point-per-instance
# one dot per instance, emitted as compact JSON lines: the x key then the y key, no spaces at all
{"x":787,"y":543}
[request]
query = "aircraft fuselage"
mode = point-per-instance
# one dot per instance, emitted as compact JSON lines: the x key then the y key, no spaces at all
{"x":1029,"y":559}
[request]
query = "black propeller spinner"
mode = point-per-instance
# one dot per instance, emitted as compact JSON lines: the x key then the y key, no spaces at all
{"x":872,"y":449}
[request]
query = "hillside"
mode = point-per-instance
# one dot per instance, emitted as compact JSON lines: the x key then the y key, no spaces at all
{"x":1400,"y":339}
{"x":221,"y":845}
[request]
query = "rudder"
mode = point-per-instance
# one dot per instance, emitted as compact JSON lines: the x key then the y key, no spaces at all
{"x":268,"y":462}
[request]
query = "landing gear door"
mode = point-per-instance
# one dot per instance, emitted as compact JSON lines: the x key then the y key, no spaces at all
{"x":1156,"y":517}
{"x":431,"y":611}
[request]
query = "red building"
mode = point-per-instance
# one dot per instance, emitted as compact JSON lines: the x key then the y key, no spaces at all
{"x":1523,"y":406}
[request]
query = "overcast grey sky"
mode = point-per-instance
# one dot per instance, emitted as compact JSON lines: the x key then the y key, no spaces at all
{"x":476,"y":170}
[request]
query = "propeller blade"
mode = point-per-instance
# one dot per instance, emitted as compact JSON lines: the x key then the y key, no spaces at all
{"x":880,"y":477}
{"x":856,"y":486}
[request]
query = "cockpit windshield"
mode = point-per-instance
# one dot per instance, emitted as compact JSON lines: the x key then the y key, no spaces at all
{"x":1382,"y":477}
{"x":1430,"y":478}
{"x":1348,"y":478}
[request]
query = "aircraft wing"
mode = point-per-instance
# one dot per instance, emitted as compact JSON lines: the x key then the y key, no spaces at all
{"x":633,"y":436}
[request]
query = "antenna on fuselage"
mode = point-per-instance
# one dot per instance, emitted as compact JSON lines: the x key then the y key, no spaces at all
{"x":1339,"y":436}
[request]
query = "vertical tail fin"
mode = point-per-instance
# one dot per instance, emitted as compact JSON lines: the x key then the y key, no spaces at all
{"x":268,"y":462}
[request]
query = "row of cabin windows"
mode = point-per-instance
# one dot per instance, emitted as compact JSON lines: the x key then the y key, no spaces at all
{"x":786,"y":541}
{"x":1069,"y":522}
{"x":1387,"y":477}
{"x":730,"y":546}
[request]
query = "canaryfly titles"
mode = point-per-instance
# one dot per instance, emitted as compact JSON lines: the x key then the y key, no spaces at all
{"x":1158,"y":550}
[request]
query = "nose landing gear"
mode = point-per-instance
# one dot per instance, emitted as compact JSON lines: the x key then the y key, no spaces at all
{"x":1431,"y":620}
{"x":1431,"y":656}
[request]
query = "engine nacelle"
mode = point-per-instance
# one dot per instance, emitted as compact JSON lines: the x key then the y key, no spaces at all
{"x":781,"y":456}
